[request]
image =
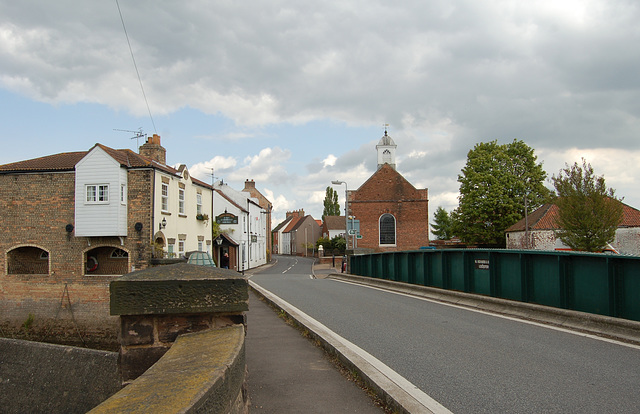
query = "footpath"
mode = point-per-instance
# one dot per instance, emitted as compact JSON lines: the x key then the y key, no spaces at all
{"x":289,"y":374}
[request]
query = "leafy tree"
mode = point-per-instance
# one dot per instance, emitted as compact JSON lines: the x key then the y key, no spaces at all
{"x":331,"y":206}
{"x":339,"y":243}
{"x":329,"y":246}
{"x":324,"y":242}
{"x":442,"y":227}
{"x":588,"y":211}
{"x":493,"y":187}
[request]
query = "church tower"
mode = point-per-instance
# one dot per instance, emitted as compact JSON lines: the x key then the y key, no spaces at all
{"x":386,"y":151}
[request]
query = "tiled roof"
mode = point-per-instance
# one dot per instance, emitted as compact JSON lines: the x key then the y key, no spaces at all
{"x":65,"y":161}
{"x":334,"y":222}
{"x":292,"y":224}
{"x":279,"y":226}
{"x":544,"y":218}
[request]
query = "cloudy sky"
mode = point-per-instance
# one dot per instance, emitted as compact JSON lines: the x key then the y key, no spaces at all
{"x":295,"y":94}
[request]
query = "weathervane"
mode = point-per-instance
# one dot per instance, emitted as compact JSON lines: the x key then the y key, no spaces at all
{"x":386,"y":126}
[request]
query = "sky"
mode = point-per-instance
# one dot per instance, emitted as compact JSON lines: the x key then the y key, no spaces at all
{"x":296,"y":94}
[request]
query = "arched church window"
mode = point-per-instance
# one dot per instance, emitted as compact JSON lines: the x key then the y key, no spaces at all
{"x":387,"y":229}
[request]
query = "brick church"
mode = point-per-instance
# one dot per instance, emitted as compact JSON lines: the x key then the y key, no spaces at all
{"x":393,"y":214}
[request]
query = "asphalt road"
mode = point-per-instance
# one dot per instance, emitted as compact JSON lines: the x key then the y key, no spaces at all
{"x":469,"y":362}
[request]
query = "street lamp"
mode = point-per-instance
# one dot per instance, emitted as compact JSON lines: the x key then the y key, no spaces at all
{"x":346,"y":210}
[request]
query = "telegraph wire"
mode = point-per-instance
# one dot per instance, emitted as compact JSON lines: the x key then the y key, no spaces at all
{"x":136,"y":67}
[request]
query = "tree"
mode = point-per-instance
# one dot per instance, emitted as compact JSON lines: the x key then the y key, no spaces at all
{"x":331,"y":206}
{"x":442,"y":227}
{"x":493,"y":187}
{"x":588,"y":211}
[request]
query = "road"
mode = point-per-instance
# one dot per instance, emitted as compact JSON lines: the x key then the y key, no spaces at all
{"x":470,"y":362}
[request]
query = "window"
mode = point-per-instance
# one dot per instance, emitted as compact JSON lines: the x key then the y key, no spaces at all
{"x":165,"y":197}
{"x":200,"y":246}
{"x":181,"y":200}
{"x":119,"y":254}
{"x":170,"y":250}
{"x":97,"y":193}
{"x":123,"y":194}
{"x":181,"y":248}
{"x":199,"y":203}
{"x":387,"y":229}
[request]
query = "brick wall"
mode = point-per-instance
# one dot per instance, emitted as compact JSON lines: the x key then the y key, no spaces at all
{"x":387,"y":191}
{"x":36,"y":209}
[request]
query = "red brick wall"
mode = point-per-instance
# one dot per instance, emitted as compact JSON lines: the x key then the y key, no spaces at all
{"x":386,"y":191}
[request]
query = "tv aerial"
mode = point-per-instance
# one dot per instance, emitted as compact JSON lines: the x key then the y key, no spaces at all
{"x":138,"y":134}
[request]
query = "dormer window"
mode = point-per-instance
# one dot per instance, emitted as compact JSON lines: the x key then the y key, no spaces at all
{"x":97,"y":193}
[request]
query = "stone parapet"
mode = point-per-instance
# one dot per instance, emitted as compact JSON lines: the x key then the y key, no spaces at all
{"x":202,"y":372}
{"x":157,"y":305}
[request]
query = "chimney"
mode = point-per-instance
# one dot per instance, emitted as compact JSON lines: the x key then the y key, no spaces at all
{"x":249,"y":184}
{"x":152,"y":149}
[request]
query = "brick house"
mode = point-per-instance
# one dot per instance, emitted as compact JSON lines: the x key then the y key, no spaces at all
{"x":305,"y":231}
{"x":74,"y":221}
{"x":538,"y":231}
{"x":393,"y":214}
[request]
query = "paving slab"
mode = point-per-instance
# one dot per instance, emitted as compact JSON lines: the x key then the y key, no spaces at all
{"x":289,"y":374}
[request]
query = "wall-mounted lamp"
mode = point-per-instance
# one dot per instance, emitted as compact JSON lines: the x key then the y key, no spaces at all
{"x":219,"y":240}
{"x":163,"y":224}
{"x":138,"y":226}
{"x":69,"y":228}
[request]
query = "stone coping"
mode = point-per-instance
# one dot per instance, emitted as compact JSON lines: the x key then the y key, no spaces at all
{"x":202,"y":372}
{"x":179,"y":289}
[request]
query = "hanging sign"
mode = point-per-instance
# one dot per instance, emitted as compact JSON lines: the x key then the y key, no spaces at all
{"x":227,"y":218}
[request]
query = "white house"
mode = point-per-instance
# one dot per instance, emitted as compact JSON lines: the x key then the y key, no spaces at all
{"x":244,"y":224}
{"x":100,"y":195}
{"x":182,"y":212}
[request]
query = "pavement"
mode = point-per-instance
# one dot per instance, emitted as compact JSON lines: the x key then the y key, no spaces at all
{"x":288,"y":373}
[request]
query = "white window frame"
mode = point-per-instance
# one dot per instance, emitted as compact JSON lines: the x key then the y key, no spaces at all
{"x":164,"y":205}
{"x":180,"y":248}
{"x":180,"y":200}
{"x":96,"y":193}
{"x":123,"y":193}
{"x":198,"y":203}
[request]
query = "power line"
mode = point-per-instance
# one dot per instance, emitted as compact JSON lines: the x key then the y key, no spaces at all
{"x":136,"y":66}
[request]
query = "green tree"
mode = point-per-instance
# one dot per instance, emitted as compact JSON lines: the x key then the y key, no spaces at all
{"x":331,"y":206}
{"x":493,"y":187}
{"x":588,"y":211}
{"x":442,"y":227}
{"x":338,"y":243}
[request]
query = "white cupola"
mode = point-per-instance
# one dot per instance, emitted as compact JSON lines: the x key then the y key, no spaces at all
{"x":386,"y":151}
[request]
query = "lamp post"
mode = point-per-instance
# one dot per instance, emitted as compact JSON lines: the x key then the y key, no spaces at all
{"x":346,"y":210}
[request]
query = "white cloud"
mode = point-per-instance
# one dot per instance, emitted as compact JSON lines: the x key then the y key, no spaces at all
{"x":330,"y":161}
